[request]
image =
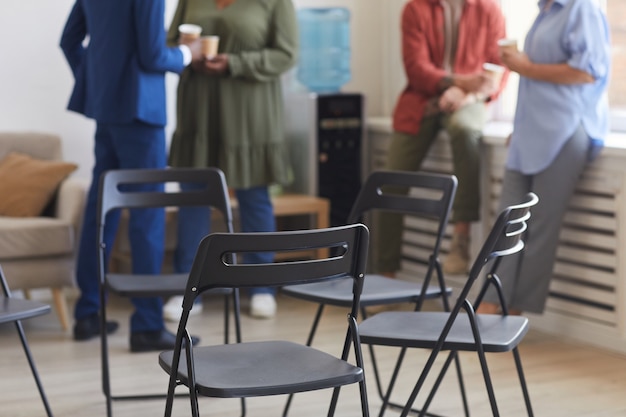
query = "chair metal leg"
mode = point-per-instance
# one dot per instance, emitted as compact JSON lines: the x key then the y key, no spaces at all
{"x":392,"y":382}
{"x":386,"y":396}
{"x":351,"y":338}
{"x":522,"y":380}
{"x":104,"y":355}
{"x":237,"y":310}
{"x":33,"y":368}
{"x":377,"y":379}
{"x":420,"y":382}
{"x":488,"y":383}
{"x":457,"y":363}
{"x":316,"y":320}
{"x":226,"y":319}
{"x":106,"y":375}
{"x":482,"y":359}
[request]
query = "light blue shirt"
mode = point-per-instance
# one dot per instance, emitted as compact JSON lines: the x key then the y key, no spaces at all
{"x":548,"y":114}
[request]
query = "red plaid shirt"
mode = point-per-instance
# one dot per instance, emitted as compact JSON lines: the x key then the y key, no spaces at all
{"x":481,"y":25}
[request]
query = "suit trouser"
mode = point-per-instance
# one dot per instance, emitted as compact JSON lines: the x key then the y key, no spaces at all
{"x":135,"y":145}
{"x":407,"y":152}
{"x":256,"y":214}
{"x":526,"y":276}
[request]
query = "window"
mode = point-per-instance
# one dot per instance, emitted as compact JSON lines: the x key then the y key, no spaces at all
{"x":616,"y":13}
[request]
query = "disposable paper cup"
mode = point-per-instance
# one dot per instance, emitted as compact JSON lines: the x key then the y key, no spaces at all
{"x":188,"y":32}
{"x":508,"y":43}
{"x":210,"y":45}
{"x":494,"y":71}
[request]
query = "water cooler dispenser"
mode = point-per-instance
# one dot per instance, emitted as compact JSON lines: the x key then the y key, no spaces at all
{"x":325,"y":134}
{"x":324,"y":126}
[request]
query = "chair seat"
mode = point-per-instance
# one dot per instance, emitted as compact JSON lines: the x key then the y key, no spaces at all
{"x":137,"y":285}
{"x":13,"y":309}
{"x":422,"y":330}
{"x":301,"y":368}
{"x":377,"y":290}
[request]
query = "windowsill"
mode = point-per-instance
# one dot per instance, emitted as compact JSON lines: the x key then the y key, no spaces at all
{"x":496,"y":132}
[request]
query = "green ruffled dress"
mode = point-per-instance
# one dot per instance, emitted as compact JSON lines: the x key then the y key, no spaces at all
{"x":235,"y":121}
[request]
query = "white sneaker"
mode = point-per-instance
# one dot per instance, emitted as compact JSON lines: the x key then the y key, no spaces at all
{"x":262,"y":306}
{"x":174,"y":308}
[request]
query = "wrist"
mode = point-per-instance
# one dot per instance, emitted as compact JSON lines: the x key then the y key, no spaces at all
{"x":446,"y":82}
{"x":480,"y":97}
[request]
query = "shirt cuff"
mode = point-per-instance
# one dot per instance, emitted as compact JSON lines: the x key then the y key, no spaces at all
{"x":184,"y":49}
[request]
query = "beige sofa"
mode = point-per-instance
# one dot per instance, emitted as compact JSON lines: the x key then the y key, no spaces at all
{"x":39,"y":252}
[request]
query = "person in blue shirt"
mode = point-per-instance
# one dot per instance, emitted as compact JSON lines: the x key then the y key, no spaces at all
{"x":560,"y":123}
{"x":117,"y":53}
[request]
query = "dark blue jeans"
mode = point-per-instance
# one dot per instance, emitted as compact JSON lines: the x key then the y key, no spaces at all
{"x":135,"y":145}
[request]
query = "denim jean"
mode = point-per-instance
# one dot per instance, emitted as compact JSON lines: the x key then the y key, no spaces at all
{"x":133,"y":145}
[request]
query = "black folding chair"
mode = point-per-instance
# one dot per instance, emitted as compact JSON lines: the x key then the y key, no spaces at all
{"x":271,"y":367}
{"x":14,"y":310}
{"x":115,"y":194}
{"x":455,"y":332}
{"x":425,"y":195}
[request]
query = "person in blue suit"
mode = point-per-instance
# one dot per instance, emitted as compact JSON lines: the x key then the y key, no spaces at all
{"x":118,"y":55}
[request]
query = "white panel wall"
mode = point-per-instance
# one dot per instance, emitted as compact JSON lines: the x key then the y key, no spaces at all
{"x":35,"y":81}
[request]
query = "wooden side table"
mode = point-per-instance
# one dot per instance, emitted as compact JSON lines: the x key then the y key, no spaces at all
{"x":285,"y":205}
{"x":301,"y":204}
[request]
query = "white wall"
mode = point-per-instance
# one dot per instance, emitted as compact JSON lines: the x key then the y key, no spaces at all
{"x":35,"y":81}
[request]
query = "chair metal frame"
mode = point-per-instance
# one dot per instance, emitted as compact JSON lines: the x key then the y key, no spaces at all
{"x":453,"y":332}
{"x":273,"y":367}
{"x":15,"y":310}
{"x":114,"y":195}
{"x":390,"y":191}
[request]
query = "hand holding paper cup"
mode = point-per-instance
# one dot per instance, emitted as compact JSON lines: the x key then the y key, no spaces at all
{"x":210,"y":45}
{"x":508,"y":44}
{"x":494,"y":72}
{"x":188,"y":33}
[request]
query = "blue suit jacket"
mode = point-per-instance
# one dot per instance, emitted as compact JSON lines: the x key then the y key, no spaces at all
{"x":118,"y":54}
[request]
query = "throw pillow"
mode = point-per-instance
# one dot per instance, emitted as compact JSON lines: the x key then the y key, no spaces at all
{"x":27,"y":185}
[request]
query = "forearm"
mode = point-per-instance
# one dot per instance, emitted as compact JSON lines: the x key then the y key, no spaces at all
{"x":555,"y":73}
{"x":469,"y":83}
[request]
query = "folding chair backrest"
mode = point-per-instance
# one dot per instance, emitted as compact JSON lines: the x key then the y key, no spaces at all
{"x":431,"y":196}
{"x":117,"y":192}
{"x":213,"y":267}
{"x":505,"y":237}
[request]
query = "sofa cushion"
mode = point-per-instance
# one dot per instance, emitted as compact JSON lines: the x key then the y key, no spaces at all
{"x":34,"y":237}
{"x":27,"y":185}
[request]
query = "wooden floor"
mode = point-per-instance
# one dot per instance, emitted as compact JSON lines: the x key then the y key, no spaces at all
{"x":565,"y":379}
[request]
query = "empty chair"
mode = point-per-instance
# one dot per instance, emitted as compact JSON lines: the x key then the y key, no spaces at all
{"x":270,"y":367}
{"x":452,"y":331}
{"x":115,"y":193}
{"x":430,"y":198}
{"x":13,"y":310}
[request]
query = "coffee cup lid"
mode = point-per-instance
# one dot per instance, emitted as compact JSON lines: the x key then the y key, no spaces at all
{"x":488,"y":66}
{"x":507,"y":41}
{"x":190,"y":28}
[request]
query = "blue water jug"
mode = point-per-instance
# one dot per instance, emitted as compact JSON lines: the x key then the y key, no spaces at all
{"x":324,"y":60}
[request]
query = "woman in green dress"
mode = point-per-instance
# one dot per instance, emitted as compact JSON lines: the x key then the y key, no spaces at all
{"x":230,"y":116}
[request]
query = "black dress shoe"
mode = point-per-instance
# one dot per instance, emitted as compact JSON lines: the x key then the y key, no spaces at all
{"x":155,"y":340}
{"x":89,"y":327}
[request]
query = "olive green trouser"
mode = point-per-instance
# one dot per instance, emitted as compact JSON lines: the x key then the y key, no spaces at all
{"x":406,"y":153}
